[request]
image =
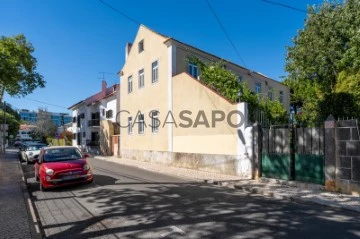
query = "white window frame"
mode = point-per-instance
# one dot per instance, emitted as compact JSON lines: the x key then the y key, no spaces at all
{"x":191,"y":70}
{"x":141,"y":122}
{"x":154,"y":116}
{"x":155,"y":71}
{"x":130,"y":125}
{"x":130,"y":84}
{"x":141,"y":76}
{"x":258,"y":88}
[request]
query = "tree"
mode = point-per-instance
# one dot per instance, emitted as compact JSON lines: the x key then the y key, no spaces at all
{"x":18,"y":75}
{"x":11,"y":117}
{"x":325,"y":51}
{"x":45,"y":127}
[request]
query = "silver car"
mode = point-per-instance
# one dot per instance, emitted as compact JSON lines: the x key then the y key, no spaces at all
{"x":30,"y":151}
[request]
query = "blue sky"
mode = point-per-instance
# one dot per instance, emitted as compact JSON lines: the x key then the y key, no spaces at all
{"x":75,"y":40}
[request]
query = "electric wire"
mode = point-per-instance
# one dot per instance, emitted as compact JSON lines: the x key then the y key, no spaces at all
{"x":225,"y":32}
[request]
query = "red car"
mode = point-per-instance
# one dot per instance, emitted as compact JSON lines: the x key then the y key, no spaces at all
{"x":60,"y":166}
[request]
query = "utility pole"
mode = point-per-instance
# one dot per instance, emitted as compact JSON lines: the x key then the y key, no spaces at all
{"x":3,"y":128}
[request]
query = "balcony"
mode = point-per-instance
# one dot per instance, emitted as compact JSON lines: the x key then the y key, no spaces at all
{"x":94,"y":122}
{"x":92,"y":142}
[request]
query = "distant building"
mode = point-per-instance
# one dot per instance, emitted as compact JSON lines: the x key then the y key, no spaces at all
{"x":30,"y":117}
{"x":25,"y":132}
{"x":94,"y":121}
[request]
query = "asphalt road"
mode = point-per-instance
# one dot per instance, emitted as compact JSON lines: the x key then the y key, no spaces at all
{"x":128,"y":202}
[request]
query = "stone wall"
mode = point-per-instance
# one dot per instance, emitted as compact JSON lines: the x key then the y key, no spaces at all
{"x":347,"y":156}
{"x":225,"y":164}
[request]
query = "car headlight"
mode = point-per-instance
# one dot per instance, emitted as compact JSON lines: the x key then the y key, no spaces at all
{"x":30,"y":154}
{"x":86,"y":167}
{"x":49,"y":171}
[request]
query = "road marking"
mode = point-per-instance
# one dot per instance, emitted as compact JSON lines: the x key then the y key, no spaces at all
{"x":37,"y":228}
{"x":32,"y":212}
{"x":173,"y":229}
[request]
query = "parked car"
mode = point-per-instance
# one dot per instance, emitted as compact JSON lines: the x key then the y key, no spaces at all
{"x":17,"y":143}
{"x":62,"y":165}
{"x":29,"y":151}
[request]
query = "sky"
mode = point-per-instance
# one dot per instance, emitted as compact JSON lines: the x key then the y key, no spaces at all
{"x":76,"y":40}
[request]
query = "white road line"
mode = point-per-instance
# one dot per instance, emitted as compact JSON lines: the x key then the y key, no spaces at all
{"x":32,"y":212}
{"x":37,"y":228}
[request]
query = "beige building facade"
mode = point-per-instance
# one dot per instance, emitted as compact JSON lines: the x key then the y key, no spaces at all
{"x":168,"y":115}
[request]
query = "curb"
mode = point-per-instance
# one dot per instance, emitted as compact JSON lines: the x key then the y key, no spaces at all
{"x":249,"y":189}
{"x":294,"y":198}
{"x":30,"y":206}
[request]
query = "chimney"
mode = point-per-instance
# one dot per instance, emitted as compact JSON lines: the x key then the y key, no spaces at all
{"x":127,"y":49}
{"x":103,"y":87}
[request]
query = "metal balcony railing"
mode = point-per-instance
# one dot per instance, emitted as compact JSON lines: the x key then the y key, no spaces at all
{"x":94,"y":122}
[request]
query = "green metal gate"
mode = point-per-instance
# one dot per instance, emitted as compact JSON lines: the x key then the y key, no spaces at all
{"x":292,"y":153}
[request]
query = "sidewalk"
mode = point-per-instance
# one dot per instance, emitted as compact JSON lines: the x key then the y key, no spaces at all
{"x":294,"y":191}
{"x":15,"y":218}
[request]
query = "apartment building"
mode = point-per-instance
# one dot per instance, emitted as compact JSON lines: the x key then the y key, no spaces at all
{"x":169,"y":115}
{"x":31,"y":117}
{"x":94,"y":121}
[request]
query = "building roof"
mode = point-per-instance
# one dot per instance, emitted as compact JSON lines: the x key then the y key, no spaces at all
{"x":109,"y":91}
{"x":170,"y":40}
{"x":99,"y":96}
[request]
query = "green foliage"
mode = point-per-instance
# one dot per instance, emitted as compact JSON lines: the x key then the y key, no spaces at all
{"x":273,"y":109}
{"x":324,"y":60}
{"x":219,"y":79}
{"x":226,"y":83}
{"x":67,"y":136}
{"x":18,"y":76}
{"x":11,"y":120}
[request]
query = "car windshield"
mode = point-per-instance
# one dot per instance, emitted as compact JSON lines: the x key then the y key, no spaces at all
{"x":35,"y":147}
{"x":65,"y":154}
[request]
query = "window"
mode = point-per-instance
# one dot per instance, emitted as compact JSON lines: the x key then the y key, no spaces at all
{"x":74,"y":119}
{"x":155,"y":72}
{"x":141,"y":124}
{"x":103,"y":112}
{"x":130,"y":125}
{"x":130,"y":86}
{"x":109,"y":114}
{"x":84,"y":134}
{"x":141,"y":78}
{"x":240,"y":79}
{"x":270,"y":94}
{"x":78,"y":123}
{"x":257,"y":88}
{"x":141,"y":46}
{"x":193,"y":70}
{"x":281,"y":97}
{"x":155,"y":121}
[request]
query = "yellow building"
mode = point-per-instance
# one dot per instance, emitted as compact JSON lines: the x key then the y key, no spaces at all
{"x":169,"y":116}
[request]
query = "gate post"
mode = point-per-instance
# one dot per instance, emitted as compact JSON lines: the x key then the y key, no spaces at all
{"x":257,"y":144}
{"x":330,"y":153}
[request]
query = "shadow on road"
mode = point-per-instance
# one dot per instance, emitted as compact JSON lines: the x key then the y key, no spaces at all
{"x":187,"y":210}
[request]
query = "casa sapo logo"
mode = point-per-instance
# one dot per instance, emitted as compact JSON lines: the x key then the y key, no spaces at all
{"x":185,"y":119}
